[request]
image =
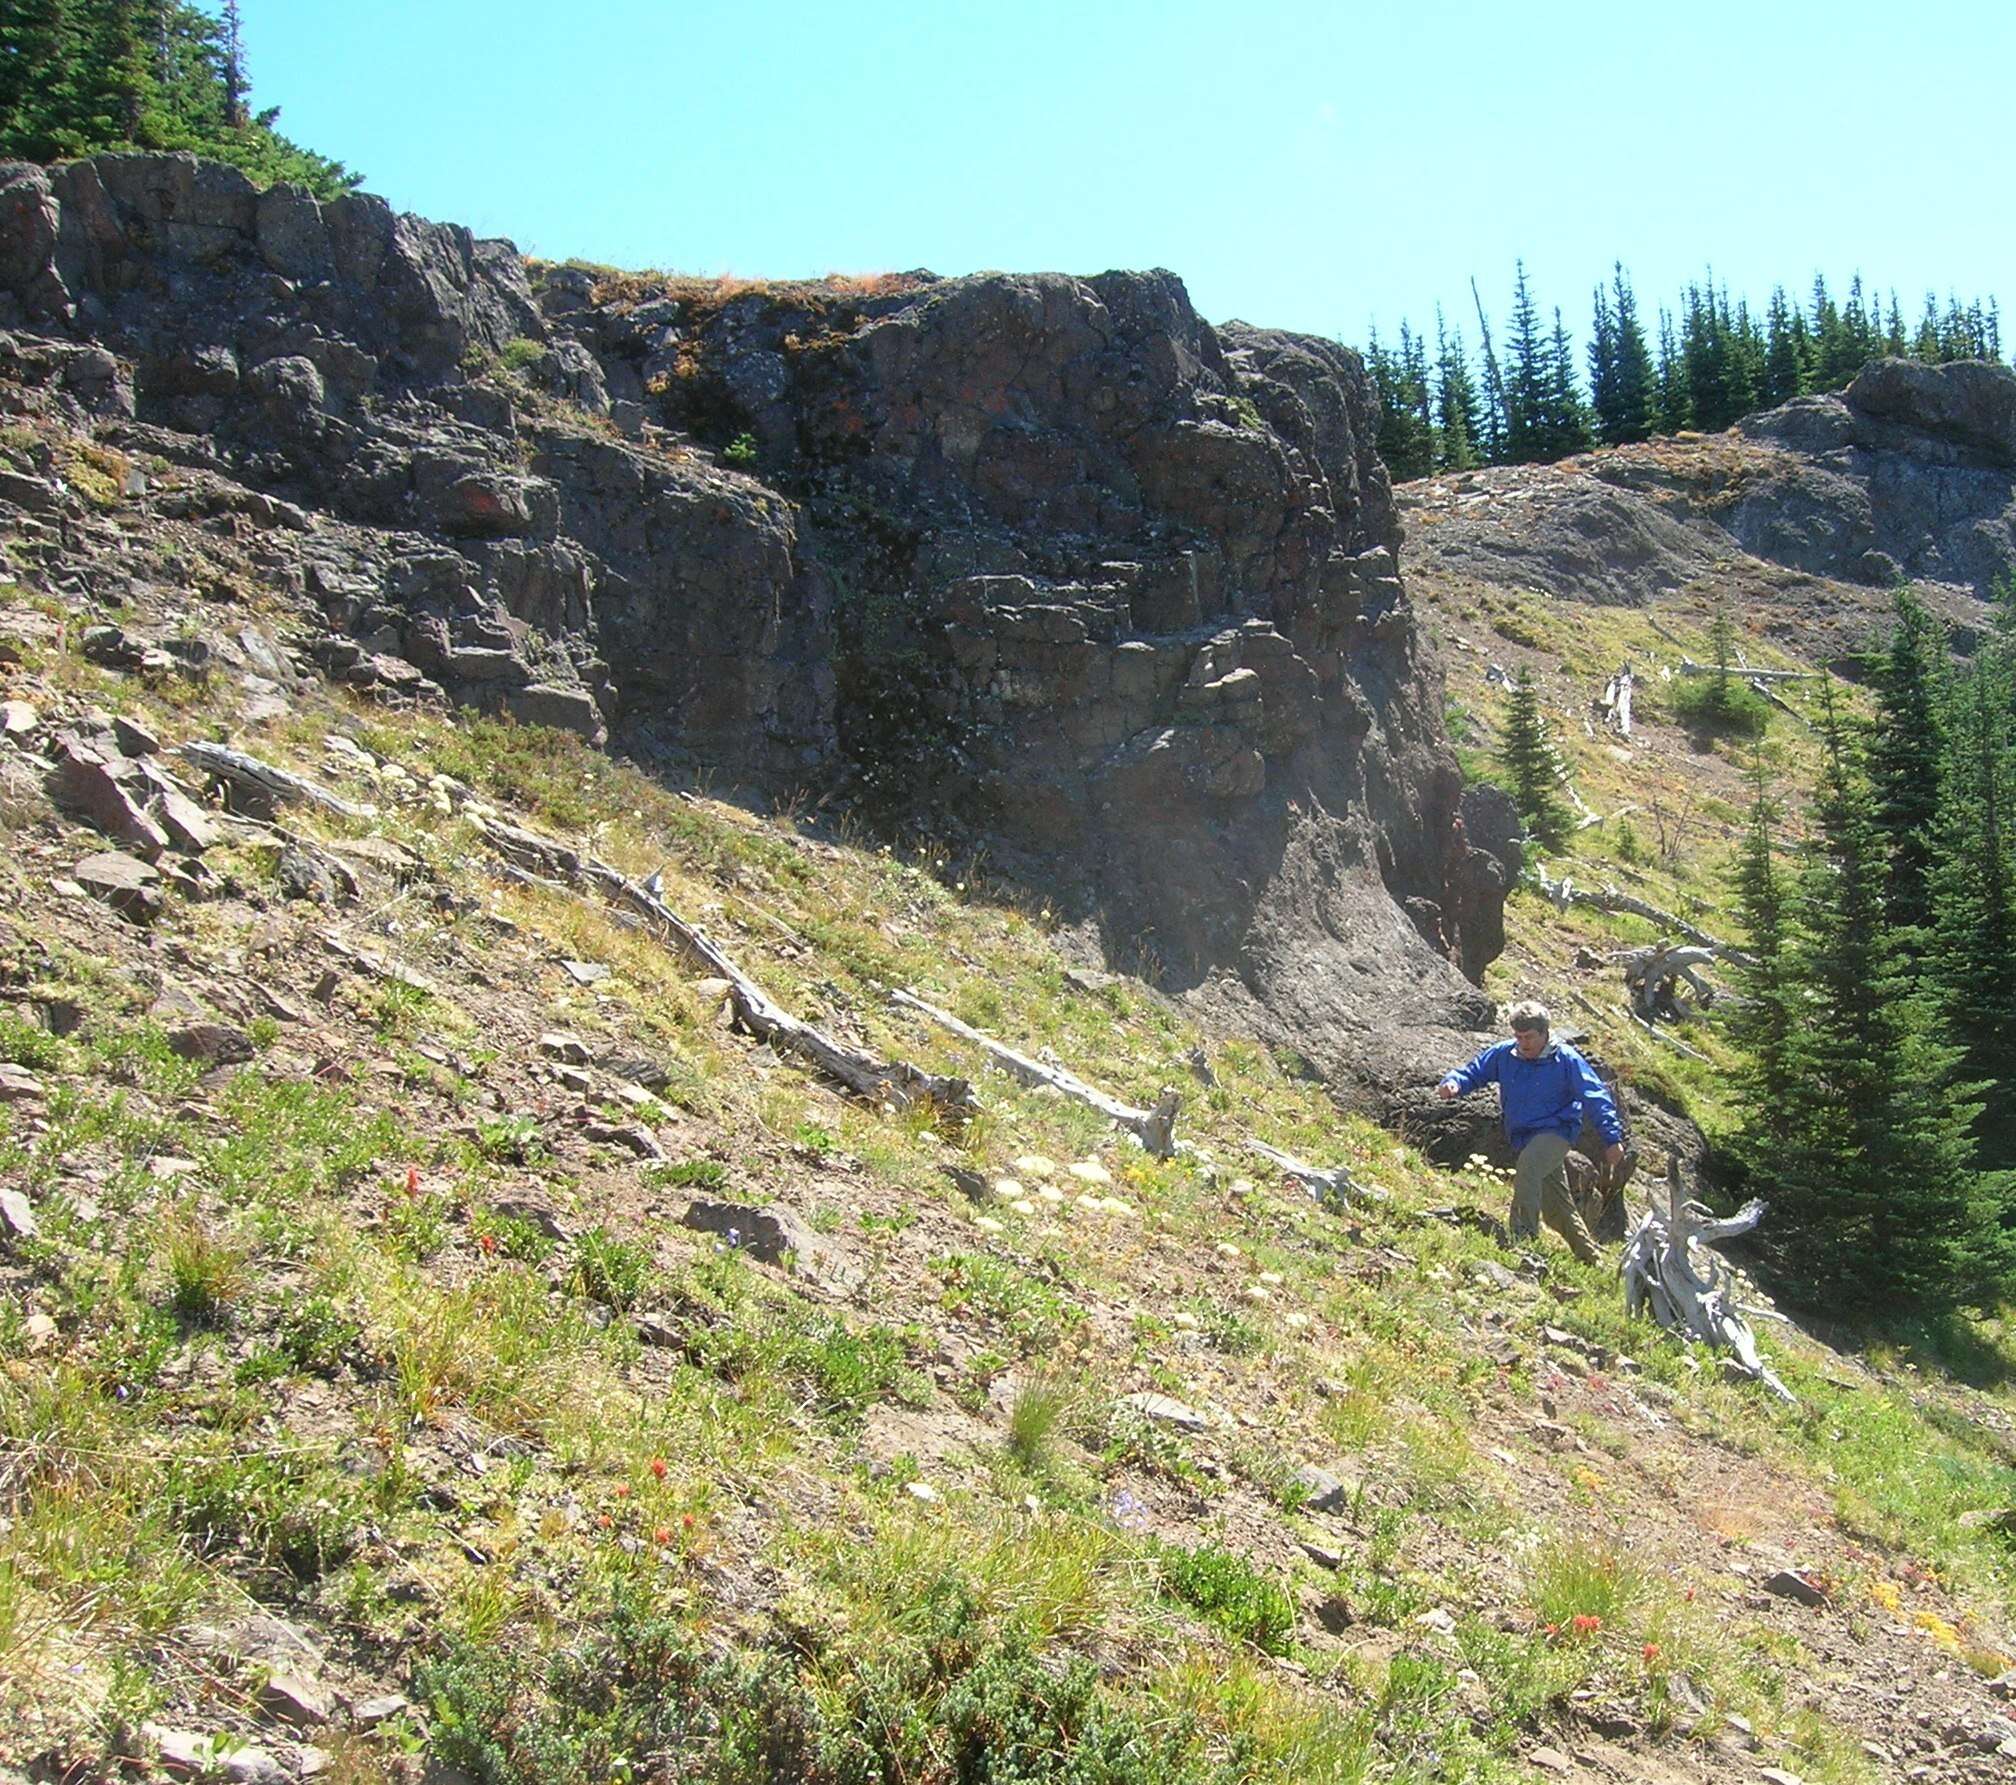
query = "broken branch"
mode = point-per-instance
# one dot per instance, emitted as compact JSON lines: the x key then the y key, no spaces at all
{"x":268,"y":786}
{"x":1331,"y":1188}
{"x":1153,"y":1128}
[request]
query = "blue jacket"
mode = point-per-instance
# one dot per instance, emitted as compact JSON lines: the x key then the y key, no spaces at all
{"x":1542,"y":1096}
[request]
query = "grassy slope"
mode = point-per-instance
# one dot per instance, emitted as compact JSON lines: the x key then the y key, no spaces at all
{"x":309,"y":1346}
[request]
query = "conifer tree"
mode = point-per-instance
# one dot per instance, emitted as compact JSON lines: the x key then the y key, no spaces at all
{"x":1786,"y":352}
{"x":77,"y":76}
{"x":1675,"y":412}
{"x":1492,"y":439}
{"x":1459,"y":422}
{"x":1565,"y":428}
{"x":1634,"y":399}
{"x":1603,"y":372}
{"x":1972,"y":882}
{"x":1875,"y":1200}
{"x":1529,"y":380}
{"x":1533,"y":765}
{"x":1406,"y":430}
{"x":1906,"y":754}
{"x":1764,"y":1023}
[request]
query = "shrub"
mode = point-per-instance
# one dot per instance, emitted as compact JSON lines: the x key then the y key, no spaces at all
{"x":1720,"y":705}
{"x":690,"y":1174}
{"x":27,"y":1044}
{"x":1227,"y":1590}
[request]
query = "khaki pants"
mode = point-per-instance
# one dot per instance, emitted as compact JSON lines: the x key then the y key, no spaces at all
{"x":1540,"y":1186}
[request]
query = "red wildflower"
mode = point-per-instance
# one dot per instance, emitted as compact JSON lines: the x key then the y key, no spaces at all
{"x":1587,"y":1623}
{"x":1650,"y":1651}
{"x":688,"y":1520}
{"x":658,"y":1468}
{"x":622,"y":1490}
{"x":661,"y":1536}
{"x":603,"y":1520}
{"x":487,"y":1241}
{"x":412,"y":1180}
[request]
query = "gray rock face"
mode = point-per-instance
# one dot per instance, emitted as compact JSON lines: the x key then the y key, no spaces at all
{"x":1049,"y":562}
{"x":1908,"y":474}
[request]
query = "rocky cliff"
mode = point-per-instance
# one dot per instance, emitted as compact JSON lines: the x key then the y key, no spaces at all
{"x":1048,"y":563}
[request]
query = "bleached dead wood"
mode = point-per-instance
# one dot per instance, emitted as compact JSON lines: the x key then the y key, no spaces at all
{"x":1564,"y":892}
{"x":1688,"y":667}
{"x":1669,"y":1271}
{"x":1652,"y":977}
{"x":755,"y":1011}
{"x":1332,"y":1188}
{"x":1615,"y":706}
{"x":268,"y":785}
{"x":1153,"y":1128}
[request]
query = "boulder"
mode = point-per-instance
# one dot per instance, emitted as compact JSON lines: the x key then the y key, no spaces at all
{"x":107,"y":791}
{"x":131,"y":887}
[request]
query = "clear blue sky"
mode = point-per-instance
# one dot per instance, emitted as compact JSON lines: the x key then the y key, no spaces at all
{"x":1302,"y":165}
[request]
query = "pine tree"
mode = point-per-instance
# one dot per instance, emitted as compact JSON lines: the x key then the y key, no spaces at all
{"x":1722,"y":654}
{"x":1972,"y":881}
{"x":1459,"y":423}
{"x":1492,"y":440}
{"x":1875,"y":1200}
{"x":235,"y":83}
{"x":1565,"y":427}
{"x":1603,"y":371}
{"x":1905,"y":756}
{"x":77,"y":76}
{"x":1530,"y":759}
{"x":1675,"y":412}
{"x":1764,"y":1023}
{"x":1786,"y":352}
{"x":1406,"y":434}
{"x":1528,"y":382}
{"x":1634,"y":394}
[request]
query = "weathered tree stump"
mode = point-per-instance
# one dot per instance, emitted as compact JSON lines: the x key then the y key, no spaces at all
{"x":1669,"y":1271}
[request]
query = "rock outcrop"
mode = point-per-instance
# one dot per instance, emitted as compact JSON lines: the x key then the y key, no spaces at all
{"x":1048,"y":564}
{"x":1908,"y":474}
{"x":1805,"y":517}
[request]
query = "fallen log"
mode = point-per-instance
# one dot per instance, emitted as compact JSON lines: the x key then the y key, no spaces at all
{"x":1688,"y":667}
{"x":1669,"y":1272}
{"x":1153,"y":1128}
{"x":1332,"y":1188}
{"x":263,"y":784}
{"x":1564,"y":892}
{"x":755,"y":1011}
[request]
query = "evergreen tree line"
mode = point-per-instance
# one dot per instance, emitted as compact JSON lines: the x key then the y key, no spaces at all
{"x":1878,"y":1022}
{"x":78,"y":76}
{"x":1703,"y":364}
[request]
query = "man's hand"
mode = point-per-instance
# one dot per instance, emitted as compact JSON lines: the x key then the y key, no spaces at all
{"x":1614,"y":1153}
{"x":1445,"y":1090}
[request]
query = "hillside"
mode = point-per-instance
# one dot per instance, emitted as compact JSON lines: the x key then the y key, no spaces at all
{"x":363,"y":1341}
{"x":441,"y":1341}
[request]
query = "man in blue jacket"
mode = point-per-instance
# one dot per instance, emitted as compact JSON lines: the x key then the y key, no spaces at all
{"x":1545,"y":1087}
